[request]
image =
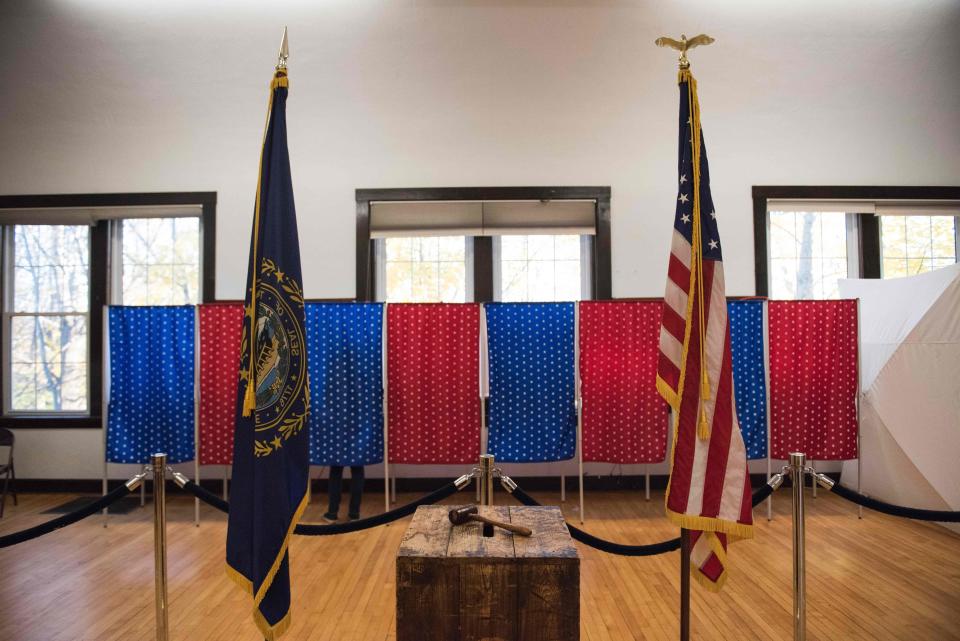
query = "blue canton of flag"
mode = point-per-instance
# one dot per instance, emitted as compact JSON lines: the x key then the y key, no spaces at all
{"x":270,"y":452}
{"x":532,"y":413}
{"x":749,"y":373}
{"x":344,"y":342}
{"x":683,"y":220}
{"x":151,"y":384}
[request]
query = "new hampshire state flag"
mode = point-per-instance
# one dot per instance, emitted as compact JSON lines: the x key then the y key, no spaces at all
{"x":270,"y":452}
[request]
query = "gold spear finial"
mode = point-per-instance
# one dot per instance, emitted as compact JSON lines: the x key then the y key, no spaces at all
{"x":683,"y":45}
{"x":284,"y":51}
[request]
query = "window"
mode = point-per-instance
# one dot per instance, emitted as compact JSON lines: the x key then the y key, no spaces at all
{"x":160,"y":261}
{"x":48,"y":318}
{"x":889,"y":232}
{"x":916,"y":244}
{"x":423,"y":269}
{"x":538,"y":268}
{"x":483,"y":244}
{"x":809,"y":253}
{"x":64,"y":258}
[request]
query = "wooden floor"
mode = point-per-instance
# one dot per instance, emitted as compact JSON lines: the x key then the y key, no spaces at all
{"x":879,"y":578}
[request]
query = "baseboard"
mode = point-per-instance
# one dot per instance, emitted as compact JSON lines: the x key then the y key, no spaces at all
{"x":592,"y":483}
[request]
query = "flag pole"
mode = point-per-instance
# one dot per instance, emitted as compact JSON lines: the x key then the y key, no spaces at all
{"x":683,"y":45}
{"x":684,"y":584}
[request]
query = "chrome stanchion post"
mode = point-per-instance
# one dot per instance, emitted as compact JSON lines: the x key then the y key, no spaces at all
{"x":486,"y":479}
{"x":159,"y":463}
{"x":797,"y":465}
{"x":486,"y":487}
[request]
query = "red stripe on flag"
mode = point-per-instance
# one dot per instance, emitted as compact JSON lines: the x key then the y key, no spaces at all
{"x":669,"y":372}
{"x":678,"y":273}
{"x":720,"y":433}
{"x":674,"y":323}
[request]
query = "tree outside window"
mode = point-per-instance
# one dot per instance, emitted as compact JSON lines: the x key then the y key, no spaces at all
{"x":917,"y":244}
{"x":426,"y":269}
{"x":808,"y":254}
{"x":49,"y":318}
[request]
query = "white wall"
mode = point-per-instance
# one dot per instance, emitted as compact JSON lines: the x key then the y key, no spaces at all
{"x":109,"y":95}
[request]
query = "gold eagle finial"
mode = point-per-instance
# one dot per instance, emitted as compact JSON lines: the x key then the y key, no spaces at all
{"x":683,"y":45}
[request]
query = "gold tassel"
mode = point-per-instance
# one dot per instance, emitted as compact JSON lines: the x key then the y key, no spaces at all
{"x":249,"y":399}
{"x":703,"y":428}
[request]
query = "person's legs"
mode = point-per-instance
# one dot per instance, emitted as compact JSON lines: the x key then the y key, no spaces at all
{"x":356,"y":490}
{"x":334,"y":486}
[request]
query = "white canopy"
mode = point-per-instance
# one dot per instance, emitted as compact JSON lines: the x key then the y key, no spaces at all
{"x":910,"y":374}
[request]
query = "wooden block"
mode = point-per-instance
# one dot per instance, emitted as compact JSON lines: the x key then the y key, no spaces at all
{"x":548,"y":583}
{"x":488,"y":578}
{"x":455,"y":584}
{"x":425,"y":584}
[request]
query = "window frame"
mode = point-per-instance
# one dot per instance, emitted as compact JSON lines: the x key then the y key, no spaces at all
{"x":100,"y":287}
{"x":867,"y":229}
{"x":380,"y":267}
{"x":586,"y":264}
{"x":483,"y":254}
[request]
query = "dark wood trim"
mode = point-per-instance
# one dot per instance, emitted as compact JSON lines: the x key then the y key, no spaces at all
{"x":869,"y":246}
{"x":482,"y":269}
{"x":483,"y":259}
{"x":364,"y":275}
{"x":483,"y":193}
{"x":100,"y":276}
{"x":603,"y":251}
{"x":760,"y":262}
{"x":208,"y":239}
{"x":132,"y":199}
{"x":869,"y":229}
{"x":99,"y":290}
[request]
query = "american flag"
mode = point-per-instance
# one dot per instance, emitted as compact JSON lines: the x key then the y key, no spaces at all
{"x":709,"y":490}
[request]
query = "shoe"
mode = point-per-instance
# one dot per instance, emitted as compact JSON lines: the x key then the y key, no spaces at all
{"x":353,"y":517}
{"x":329,"y":518}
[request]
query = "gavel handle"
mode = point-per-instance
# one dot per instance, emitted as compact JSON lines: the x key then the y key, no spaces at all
{"x":510,"y":527}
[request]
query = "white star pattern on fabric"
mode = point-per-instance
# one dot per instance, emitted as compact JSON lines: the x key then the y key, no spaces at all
{"x":151,"y":384}
{"x":221,"y":326}
{"x":532,"y":386}
{"x":433,"y":383}
{"x":749,"y":375}
{"x":813,"y":381}
{"x":713,"y":244}
{"x":685,"y":218}
{"x":344,"y":343}
{"x":683,"y":178}
{"x":813,"y":378}
{"x":683,"y":198}
{"x":624,"y":417}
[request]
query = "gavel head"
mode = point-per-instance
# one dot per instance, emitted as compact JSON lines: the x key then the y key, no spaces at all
{"x":461,"y":515}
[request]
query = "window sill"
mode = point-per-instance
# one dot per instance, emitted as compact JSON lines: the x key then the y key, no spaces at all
{"x":51,"y":422}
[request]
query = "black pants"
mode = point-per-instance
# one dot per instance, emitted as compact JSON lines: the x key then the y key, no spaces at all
{"x":336,"y":485}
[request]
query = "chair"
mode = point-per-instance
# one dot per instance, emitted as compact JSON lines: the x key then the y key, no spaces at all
{"x":6,"y":469}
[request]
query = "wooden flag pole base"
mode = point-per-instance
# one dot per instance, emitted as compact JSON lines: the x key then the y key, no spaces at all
{"x":684,"y":584}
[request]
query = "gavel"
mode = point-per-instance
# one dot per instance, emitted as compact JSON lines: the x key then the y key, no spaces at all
{"x":461,"y":515}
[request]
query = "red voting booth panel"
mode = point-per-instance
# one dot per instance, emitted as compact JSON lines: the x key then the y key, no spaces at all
{"x":433,"y":383}
{"x":220,"y":331}
{"x":624,"y":417}
{"x":813,"y":379}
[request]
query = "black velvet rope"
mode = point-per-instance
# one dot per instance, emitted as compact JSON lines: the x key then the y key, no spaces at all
{"x":630,"y":550}
{"x":67,"y":519}
{"x":602,"y":544}
{"x":943,"y":516}
{"x":310,"y":529}
{"x":207,"y":497}
{"x":761,"y":494}
{"x":316,"y":529}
